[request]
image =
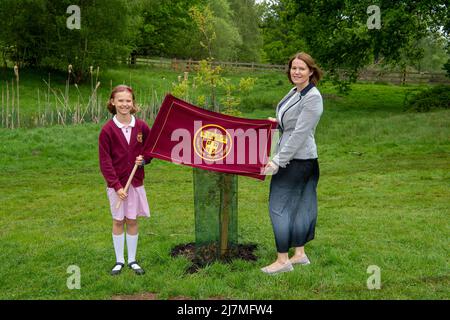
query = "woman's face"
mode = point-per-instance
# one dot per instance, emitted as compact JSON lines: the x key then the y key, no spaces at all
{"x":123,"y":101}
{"x":300,"y":73}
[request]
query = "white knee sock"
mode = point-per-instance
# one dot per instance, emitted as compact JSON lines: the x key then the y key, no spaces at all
{"x":119,"y":243}
{"x":132,"y":242}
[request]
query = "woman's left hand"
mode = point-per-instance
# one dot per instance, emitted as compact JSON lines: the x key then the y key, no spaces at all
{"x":270,"y":169}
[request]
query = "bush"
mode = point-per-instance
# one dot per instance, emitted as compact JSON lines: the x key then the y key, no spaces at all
{"x":250,"y":103}
{"x":433,"y":98}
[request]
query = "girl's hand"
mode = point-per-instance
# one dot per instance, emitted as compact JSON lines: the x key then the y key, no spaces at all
{"x":272,"y":119}
{"x":140,"y":160}
{"x":270,"y":169}
{"x":121,"y":194}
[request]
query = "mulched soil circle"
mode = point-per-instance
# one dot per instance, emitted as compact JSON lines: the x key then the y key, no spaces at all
{"x":203,"y":255}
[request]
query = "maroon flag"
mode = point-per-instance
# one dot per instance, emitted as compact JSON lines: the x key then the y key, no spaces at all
{"x":185,"y":134}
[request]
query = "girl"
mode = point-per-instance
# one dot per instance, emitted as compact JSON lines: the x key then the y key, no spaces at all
{"x":122,"y":143}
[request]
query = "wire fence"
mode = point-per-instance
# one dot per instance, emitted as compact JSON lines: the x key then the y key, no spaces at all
{"x":57,"y":107}
{"x":371,"y":75}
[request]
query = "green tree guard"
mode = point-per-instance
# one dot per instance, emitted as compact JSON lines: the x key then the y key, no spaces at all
{"x":216,"y":213}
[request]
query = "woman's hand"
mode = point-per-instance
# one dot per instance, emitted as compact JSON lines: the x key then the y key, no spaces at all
{"x":270,"y":169}
{"x":121,"y":194}
{"x":272,"y":119}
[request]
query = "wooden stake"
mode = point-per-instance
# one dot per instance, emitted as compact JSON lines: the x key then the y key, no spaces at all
{"x":225,"y":213}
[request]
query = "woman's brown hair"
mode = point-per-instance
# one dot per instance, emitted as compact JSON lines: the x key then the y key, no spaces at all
{"x":121,"y":88}
{"x":312,"y":65}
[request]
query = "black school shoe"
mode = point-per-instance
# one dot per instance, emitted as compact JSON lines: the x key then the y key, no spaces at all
{"x":116,"y":272}
{"x":139,"y":271}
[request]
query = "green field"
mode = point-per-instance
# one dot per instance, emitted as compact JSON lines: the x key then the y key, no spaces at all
{"x":383,"y":201}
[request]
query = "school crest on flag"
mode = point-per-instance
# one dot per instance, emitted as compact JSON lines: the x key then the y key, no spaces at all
{"x":189,"y":135}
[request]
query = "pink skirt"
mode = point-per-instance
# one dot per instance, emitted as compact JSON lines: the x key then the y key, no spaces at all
{"x":134,"y":205}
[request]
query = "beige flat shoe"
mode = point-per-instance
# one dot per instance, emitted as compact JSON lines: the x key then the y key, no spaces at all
{"x":285,"y":268}
{"x":303,"y":261}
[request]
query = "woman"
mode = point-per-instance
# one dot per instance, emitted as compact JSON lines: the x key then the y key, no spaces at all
{"x":293,"y":197}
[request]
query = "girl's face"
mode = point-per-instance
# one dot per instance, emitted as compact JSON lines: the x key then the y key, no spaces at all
{"x":123,"y":101}
{"x":300,"y":73}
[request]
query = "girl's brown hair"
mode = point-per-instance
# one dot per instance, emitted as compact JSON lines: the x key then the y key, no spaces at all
{"x":306,"y":58}
{"x":121,"y":88}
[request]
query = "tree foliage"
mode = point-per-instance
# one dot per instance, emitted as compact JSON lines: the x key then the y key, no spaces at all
{"x":245,"y":15}
{"x":434,"y":53}
{"x":167,"y":29}
{"x":336,"y":33}
{"x":35,"y":33}
{"x":219,"y":36}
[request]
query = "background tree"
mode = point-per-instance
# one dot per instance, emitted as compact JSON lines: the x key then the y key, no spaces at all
{"x":37,"y":32}
{"x":245,"y":15}
{"x":434,"y":54}
{"x":167,"y":30}
{"x":279,"y":42}
{"x":228,"y":39}
{"x":34,"y":32}
{"x":336,"y":33}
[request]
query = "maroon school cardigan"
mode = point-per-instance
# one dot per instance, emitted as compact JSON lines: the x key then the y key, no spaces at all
{"x":117,"y":157}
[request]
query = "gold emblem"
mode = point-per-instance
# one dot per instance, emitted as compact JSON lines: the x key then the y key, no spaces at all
{"x":139,"y":137}
{"x":212,"y":142}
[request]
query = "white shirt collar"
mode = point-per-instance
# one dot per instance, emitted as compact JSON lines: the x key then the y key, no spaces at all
{"x":121,"y":125}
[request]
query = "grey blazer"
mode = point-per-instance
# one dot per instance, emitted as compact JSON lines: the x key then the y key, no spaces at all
{"x":298,"y":124}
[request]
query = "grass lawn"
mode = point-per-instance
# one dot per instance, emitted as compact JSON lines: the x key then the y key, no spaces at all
{"x":383,"y":201}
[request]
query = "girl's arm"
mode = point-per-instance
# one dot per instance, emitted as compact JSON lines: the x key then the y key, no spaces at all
{"x":106,"y":166}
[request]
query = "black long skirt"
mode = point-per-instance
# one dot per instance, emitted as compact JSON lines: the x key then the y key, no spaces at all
{"x":293,"y":203}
